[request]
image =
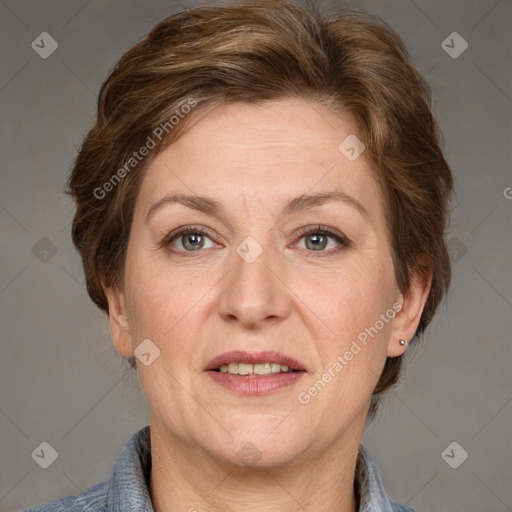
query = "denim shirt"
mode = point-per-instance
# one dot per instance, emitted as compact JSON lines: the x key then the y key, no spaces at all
{"x":127,"y":487}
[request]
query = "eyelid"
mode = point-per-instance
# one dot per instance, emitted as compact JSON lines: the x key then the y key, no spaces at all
{"x":324,"y":230}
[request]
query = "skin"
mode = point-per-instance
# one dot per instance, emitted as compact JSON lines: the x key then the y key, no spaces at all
{"x":310,"y":304}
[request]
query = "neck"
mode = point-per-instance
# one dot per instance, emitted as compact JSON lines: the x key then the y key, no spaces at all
{"x":186,"y":478}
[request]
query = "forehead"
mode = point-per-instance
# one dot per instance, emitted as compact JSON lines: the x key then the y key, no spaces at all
{"x":270,"y":150}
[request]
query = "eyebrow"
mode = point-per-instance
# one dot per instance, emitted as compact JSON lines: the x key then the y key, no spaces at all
{"x":304,"y":202}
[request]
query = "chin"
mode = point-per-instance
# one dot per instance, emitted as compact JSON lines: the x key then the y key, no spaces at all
{"x":260,"y":449}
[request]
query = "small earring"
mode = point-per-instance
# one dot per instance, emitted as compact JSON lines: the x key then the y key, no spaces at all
{"x":404,"y":342}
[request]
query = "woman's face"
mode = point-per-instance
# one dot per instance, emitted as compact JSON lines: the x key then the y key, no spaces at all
{"x":252,"y":279}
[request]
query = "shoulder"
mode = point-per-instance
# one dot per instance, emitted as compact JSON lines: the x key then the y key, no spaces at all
{"x":126,"y":486}
{"x":400,"y":507}
{"x":92,"y":499}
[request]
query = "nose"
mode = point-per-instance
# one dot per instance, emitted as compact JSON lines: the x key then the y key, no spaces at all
{"x":254,"y":293}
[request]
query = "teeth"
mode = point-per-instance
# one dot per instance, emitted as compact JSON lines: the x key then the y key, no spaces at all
{"x":244,"y":369}
{"x":262,"y":369}
{"x":276,"y":367}
{"x":254,"y":369}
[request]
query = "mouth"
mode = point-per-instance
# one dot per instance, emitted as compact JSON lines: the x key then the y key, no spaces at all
{"x":256,"y":373}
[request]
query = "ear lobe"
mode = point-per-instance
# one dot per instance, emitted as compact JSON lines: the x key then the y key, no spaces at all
{"x":407,"y":320}
{"x":118,"y":319}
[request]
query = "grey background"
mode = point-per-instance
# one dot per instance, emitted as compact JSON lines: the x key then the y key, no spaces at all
{"x":61,"y":380}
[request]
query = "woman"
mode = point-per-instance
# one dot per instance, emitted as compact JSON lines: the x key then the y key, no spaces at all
{"x":260,"y":210}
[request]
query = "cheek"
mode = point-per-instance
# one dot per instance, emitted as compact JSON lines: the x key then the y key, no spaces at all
{"x":368,"y":293}
{"x":352,"y":297}
{"x":157,"y":297}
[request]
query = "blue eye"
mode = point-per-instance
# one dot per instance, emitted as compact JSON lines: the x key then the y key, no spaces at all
{"x":317,"y":239}
{"x":191,"y":238}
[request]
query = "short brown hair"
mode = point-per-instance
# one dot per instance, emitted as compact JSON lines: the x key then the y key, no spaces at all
{"x":253,"y":52}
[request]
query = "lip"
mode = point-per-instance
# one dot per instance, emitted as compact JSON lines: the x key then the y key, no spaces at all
{"x":242,"y":356}
{"x":255,"y":386}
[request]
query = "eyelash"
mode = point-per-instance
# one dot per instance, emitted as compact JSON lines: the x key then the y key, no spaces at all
{"x":317,"y":230}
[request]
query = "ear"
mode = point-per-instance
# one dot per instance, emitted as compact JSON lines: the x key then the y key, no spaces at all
{"x":407,"y":319}
{"x":118,"y":319}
